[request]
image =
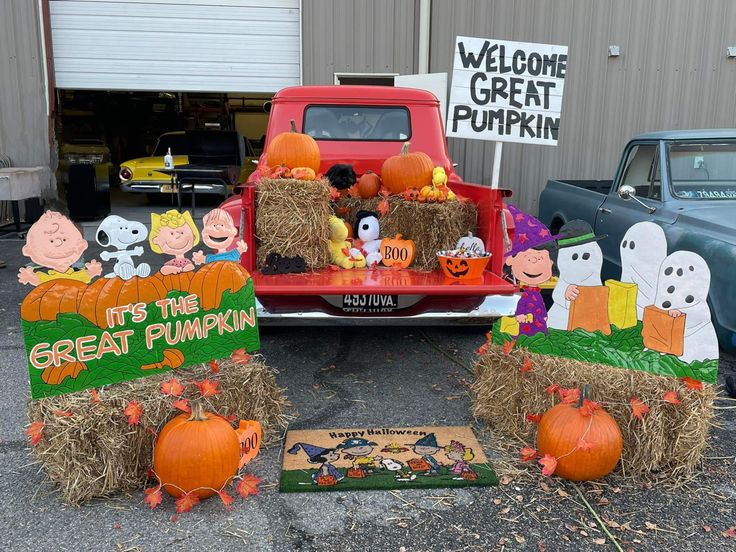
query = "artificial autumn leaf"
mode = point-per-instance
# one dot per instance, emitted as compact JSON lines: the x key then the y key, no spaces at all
{"x":227,"y":500}
{"x":508,"y":346}
{"x":334,"y":193}
{"x":584,"y":445}
{"x":536,"y":418}
{"x":182,"y":404}
{"x":638,"y":408}
{"x":185,"y":502}
{"x":214,"y":366}
{"x":35,"y":432}
{"x":153,"y":497}
{"x":528,"y":453}
{"x":64,"y":413}
{"x":383,"y":207}
{"x":527,"y":365}
{"x":588,"y":408}
{"x":172,"y":387}
{"x":483,"y":349}
{"x":691,"y":383}
{"x":208,"y":388}
{"x":353,"y":191}
{"x":729,"y":533}
{"x":240,"y":355}
{"x":248,"y":485}
{"x":552,"y":389}
{"x":671,"y":397}
{"x":384,"y":192}
{"x":133,"y":411}
{"x":570,"y":396}
{"x":95,"y":396}
{"x":549,"y":464}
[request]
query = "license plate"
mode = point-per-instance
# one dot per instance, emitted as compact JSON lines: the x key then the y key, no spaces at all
{"x":370,"y":303}
{"x":168,"y":189}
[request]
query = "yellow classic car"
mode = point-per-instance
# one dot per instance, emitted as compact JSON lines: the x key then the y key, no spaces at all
{"x":143,"y":174}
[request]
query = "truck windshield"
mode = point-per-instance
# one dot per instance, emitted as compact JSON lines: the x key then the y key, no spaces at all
{"x":365,"y":123}
{"x":703,"y":170}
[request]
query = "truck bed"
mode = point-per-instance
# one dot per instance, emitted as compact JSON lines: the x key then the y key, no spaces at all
{"x":599,"y":186}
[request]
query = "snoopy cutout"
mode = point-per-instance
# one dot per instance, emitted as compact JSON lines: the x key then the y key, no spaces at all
{"x":643,"y":249}
{"x":119,"y":233}
{"x":400,"y":471}
{"x":682,"y":290}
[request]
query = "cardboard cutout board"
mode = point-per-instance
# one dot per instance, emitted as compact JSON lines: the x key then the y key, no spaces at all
{"x":81,"y":333}
{"x":655,"y":319}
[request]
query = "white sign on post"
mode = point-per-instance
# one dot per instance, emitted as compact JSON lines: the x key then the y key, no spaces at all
{"x":506,"y":91}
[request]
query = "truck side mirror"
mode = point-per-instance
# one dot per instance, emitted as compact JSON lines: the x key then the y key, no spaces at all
{"x":627,"y":192}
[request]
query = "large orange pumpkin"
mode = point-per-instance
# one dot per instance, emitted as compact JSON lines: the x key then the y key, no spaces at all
{"x":213,"y":279}
{"x":407,"y":170}
{"x":369,"y":185}
{"x":175,"y":282}
{"x":51,"y":298}
{"x":110,"y":292}
{"x":196,"y":453}
{"x":559,"y":434}
{"x":293,"y":149}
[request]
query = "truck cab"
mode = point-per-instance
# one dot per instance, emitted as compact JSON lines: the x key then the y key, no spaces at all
{"x":363,"y":126}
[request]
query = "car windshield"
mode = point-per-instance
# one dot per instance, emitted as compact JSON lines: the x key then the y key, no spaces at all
{"x":177,"y":143}
{"x":328,"y":122}
{"x":703,"y":170}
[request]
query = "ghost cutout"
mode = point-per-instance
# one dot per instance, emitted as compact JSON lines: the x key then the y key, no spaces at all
{"x":579,"y":265}
{"x":682,"y":290}
{"x":643,"y":249}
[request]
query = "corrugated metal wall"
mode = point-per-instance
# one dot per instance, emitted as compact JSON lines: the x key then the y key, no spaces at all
{"x":23,"y":122}
{"x":672,"y":73}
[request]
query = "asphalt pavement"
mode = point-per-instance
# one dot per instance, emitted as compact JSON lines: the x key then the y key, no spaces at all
{"x":370,"y":376}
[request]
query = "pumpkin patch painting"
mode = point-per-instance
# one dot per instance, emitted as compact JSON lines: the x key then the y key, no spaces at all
{"x":655,"y":318}
{"x":384,"y":458}
{"x":81,"y":332}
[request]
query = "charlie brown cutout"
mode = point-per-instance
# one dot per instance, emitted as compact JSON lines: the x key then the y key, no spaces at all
{"x":174,"y":233}
{"x":218,"y":233}
{"x":530,"y":262}
{"x":53,"y":242}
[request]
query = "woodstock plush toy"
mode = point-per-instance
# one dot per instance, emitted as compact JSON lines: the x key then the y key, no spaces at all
{"x":367,"y":229}
{"x":340,"y":252}
{"x":439,"y":179}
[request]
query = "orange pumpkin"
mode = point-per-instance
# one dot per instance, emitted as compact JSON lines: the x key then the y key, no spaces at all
{"x":560,"y":431}
{"x":303,"y":173}
{"x":293,"y":149}
{"x":213,"y":279}
{"x":368,"y":185}
{"x":196,"y":453}
{"x":350,"y":229}
{"x":411,"y":194}
{"x":175,"y":282}
{"x":51,"y":298}
{"x":54,"y":375}
{"x":110,"y":292}
{"x":407,"y":170}
{"x":397,"y":252}
{"x":173,"y":358}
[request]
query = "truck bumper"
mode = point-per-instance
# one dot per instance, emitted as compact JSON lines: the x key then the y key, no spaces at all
{"x":491,"y":308}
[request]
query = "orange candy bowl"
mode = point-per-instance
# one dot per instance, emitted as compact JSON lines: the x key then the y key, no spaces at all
{"x":462,"y":268}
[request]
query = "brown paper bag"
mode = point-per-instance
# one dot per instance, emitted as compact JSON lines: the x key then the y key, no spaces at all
{"x":661,"y":332}
{"x":589,"y":311}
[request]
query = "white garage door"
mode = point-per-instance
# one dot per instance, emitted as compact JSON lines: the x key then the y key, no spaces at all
{"x":176,"y":45}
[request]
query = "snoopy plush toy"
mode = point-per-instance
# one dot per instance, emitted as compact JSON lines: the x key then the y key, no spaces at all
{"x":119,"y":233}
{"x":367,"y":230}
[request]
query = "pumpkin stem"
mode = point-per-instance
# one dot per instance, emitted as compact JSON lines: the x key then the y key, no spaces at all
{"x":405,"y":148}
{"x":293,"y":125}
{"x":197,"y":414}
{"x":584,"y":394}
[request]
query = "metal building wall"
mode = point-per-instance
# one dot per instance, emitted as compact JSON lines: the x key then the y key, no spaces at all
{"x":24,"y":135}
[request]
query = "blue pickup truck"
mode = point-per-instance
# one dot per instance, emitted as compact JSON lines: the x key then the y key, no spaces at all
{"x":684,"y":181}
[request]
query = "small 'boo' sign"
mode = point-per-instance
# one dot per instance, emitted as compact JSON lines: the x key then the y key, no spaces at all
{"x":506,"y":91}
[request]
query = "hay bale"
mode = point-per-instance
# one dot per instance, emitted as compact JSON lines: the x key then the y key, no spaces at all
{"x":432,"y":226}
{"x":292,"y":218}
{"x":666,"y":445}
{"x":95,"y":453}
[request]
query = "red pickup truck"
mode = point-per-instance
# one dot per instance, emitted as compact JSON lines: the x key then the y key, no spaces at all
{"x":382,"y":118}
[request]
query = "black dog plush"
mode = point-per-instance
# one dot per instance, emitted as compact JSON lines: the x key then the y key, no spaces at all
{"x":341,"y":176}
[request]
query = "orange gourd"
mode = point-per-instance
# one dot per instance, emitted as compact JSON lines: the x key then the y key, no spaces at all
{"x":293,"y":149}
{"x":411,"y":194}
{"x":198,"y":453}
{"x":368,"y":185}
{"x":175,"y":282}
{"x":397,"y":252}
{"x":407,"y":170}
{"x":560,"y":430}
{"x":51,"y":298}
{"x":303,"y":173}
{"x":110,"y":292}
{"x":213,"y":279}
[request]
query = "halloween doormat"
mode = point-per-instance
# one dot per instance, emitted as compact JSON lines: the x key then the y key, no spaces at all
{"x":384,"y":458}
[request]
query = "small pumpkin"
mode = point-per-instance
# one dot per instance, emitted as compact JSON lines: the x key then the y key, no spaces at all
{"x":110,"y":292}
{"x":369,"y":185}
{"x":431,"y":194}
{"x":52,"y":298}
{"x":397,"y":252}
{"x":560,"y":431}
{"x":293,"y":149}
{"x":411,"y":194}
{"x":213,"y":279}
{"x":282,"y":171}
{"x":303,"y":173}
{"x":196,"y":453}
{"x":407,"y":170}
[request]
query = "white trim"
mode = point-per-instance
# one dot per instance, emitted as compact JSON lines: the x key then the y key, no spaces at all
{"x":301,"y":47}
{"x":338,"y":75}
{"x":42,"y":31}
{"x":425,"y":14}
